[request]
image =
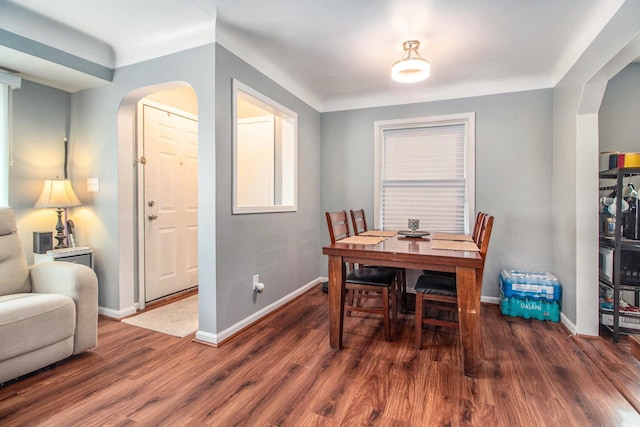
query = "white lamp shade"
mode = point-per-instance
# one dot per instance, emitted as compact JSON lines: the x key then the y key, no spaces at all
{"x":57,"y":193}
{"x":410,"y":70}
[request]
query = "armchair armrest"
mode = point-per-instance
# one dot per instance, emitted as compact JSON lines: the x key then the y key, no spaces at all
{"x":78,"y":282}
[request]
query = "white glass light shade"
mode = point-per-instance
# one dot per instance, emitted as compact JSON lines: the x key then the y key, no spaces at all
{"x":57,"y":193}
{"x":412,"y":67}
{"x":410,"y":70}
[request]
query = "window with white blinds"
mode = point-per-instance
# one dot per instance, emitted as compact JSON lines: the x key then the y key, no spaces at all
{"x":424,"y":170}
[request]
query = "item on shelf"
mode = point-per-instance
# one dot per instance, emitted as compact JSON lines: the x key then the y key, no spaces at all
{"x":630,"y":276}
{"x":605,"y":160}
{"x":626,"y":307}
{"x":605,"y":202}
{"x":610,"y":227}
{"x":625,"y":320}
{"x":631,"y":221}
{"x":606,"y":298}
{"x":630,"y":268}
{"x":629,"y":191}
{"x":613,"y":160}
{"x":611,"y":209}
{"x":632,"y":160}
{"x":606,"y":263}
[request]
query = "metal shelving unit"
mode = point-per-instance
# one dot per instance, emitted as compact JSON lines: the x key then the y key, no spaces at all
{"x":619,"y":244}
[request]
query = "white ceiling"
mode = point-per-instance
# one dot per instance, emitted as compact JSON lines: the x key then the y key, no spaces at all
{"x":337,"y":54}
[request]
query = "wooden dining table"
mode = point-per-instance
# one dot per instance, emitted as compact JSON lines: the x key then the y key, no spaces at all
{"x":414,"y":253}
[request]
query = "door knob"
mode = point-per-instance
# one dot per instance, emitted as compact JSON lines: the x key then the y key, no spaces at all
{"x":153,"y":217}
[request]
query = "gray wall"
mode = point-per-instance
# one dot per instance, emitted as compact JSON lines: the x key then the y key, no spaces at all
{"x":283,"y":248}
{"x":40,"y":122}
{"x":577,"y":100}
{"x":513,"y":170}
{"x":103,"y":120}
{"x":619,"y":118}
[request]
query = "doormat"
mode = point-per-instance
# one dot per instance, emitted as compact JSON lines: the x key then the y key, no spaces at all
{"x":179,"y":318}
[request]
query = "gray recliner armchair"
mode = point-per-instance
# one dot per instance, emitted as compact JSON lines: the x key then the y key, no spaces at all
{"x":48,"y":311}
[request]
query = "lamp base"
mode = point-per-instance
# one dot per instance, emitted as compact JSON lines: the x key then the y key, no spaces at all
{"x":60,"y":237}
{"x":61,"y":244}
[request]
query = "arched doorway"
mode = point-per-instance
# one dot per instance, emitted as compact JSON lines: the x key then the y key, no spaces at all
{"x":178,"y":96}
{"x":587,"y":147}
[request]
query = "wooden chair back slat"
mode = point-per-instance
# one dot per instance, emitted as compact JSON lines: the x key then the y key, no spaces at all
{"x":358,"y":221}
{"x":478,"y":226}
{"x":338,"y":225}
{"x":485,"y":236}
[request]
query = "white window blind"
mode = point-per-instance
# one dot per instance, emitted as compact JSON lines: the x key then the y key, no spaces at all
{"x":423,"y":175}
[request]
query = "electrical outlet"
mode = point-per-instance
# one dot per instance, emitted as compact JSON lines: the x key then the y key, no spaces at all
{"x":257,"y":286}
{"x":93,"y":185}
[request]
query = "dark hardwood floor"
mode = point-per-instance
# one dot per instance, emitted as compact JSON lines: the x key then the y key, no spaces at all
{"x":282,"y":372}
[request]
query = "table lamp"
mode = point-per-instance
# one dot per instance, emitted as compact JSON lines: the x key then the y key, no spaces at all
{"x":58,"y":194}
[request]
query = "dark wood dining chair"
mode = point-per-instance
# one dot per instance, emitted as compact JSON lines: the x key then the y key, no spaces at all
{"x":478,"y":226}
{"x":475,"y":235}
{"x":372,"y":283}
{"x":438,"y":290}
{"x":359,"y":223}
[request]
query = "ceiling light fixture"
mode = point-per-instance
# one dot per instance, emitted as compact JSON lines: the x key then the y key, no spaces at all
{"x":412,"y":67}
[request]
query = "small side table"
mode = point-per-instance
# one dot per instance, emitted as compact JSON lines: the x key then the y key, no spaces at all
{"x":80,"y":255}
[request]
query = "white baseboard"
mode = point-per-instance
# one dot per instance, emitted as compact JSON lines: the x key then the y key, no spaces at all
{"x":490,"y":300}
{"x":207,"y":337}
{"x":565,"y":321}
{"x":117,"y":314}
{"x":568,"y":324}
{"x":215,"y":339}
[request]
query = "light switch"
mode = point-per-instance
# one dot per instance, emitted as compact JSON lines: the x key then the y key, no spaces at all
{"x":93,"y":185}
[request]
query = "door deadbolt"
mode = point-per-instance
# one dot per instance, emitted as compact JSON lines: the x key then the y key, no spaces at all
{"x":151,"y":203}
{"x":153,"y":217}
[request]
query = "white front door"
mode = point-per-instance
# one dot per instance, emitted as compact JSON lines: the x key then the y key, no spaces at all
{"x":170,"y":202}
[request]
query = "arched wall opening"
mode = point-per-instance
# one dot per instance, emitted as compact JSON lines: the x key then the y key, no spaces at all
{"x":128,"y":191}
{"x":587,"y":220}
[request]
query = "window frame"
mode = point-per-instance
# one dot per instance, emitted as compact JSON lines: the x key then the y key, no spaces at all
{"x":465,"y":119}
{"x":288,"y":158}
{"x":8,"y":82}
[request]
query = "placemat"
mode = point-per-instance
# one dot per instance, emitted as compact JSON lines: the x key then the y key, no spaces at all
{"x":362,"y":240}
{"x":454,"y":245}
{"x":381,"y":233}
{"x":451,"y":236}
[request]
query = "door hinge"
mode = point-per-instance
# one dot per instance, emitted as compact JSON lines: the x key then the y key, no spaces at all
{"x":142,"y":160}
